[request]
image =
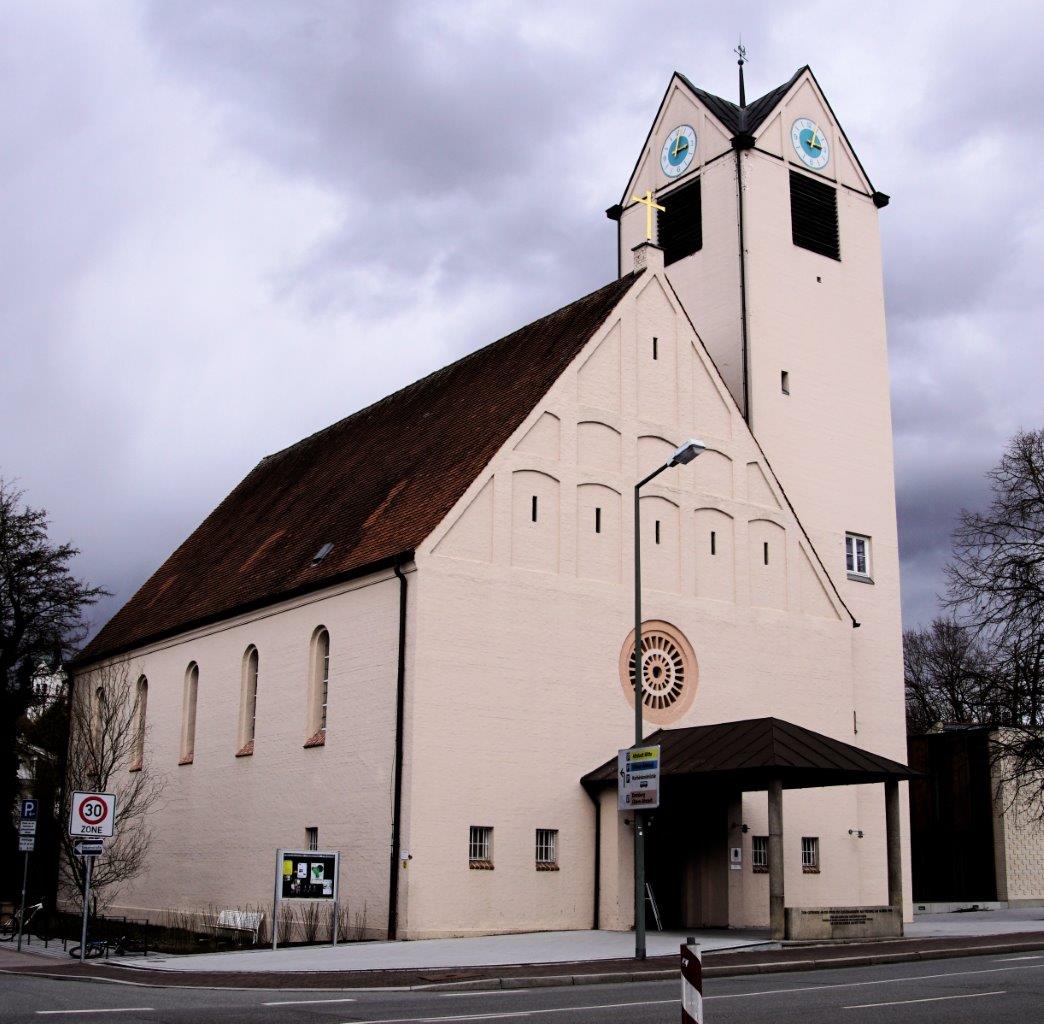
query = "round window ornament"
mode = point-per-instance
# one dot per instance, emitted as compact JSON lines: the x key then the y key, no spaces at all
{"x":670,"y":673}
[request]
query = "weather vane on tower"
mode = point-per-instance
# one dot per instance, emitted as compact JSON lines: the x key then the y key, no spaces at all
{"x":741,"y":53}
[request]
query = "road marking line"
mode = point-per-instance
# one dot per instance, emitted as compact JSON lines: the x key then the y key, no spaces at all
{"x":929,"y":999}
{"x":514,"y":1013}
{"x":880,"y":981}
{"x":307,"y":1002}
{"x":114,"y":1009}
{"x":1009,"y":959}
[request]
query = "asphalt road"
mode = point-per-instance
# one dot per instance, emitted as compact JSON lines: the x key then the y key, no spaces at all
{"x":997,"y":989}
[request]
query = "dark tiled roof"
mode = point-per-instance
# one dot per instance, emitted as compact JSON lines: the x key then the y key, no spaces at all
{"x":373,"y":485}
{"x":753,"y":751}
{"x":739,"y":119}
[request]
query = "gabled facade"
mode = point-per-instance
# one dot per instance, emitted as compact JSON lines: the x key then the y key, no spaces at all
{"x":479,"y":661}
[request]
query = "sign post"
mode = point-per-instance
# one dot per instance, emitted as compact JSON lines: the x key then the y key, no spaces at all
{"x":91,"y":817}
{"x":26,"y":842}
{"x":312,"y":875}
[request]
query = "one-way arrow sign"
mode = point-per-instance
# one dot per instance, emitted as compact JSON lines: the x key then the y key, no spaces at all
{"x":88,"y":847}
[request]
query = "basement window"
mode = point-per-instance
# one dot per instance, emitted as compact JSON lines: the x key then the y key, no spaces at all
{"x":480,"y":847}
{"x":813,"y":215}
{"x":547,"y":849}
{"x":759,"y":854}
{"x":810,"y":855}
{"x":679,"y":227}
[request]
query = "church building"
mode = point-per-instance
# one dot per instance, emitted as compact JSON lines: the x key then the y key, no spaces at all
{"x":409,"y":637}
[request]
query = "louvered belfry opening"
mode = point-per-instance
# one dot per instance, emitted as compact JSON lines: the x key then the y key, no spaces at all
{"x":679,"y":228}
{"x":813,"y":215}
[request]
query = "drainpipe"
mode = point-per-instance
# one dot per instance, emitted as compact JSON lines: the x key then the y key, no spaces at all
{"x":740,"y":142}
{"x":400,"y":693}
{"x":596,"y":917}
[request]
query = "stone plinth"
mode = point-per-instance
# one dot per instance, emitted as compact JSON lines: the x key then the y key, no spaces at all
{"x":803,"y":923}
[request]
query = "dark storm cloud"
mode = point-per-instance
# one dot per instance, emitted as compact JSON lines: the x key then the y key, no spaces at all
{"x":232,"y":223}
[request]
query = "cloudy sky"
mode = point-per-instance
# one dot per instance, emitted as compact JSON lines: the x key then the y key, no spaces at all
{"x":228,"y":224}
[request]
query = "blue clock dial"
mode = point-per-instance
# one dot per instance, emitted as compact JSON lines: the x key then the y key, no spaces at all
{"x":678,"y":151}
{"x":810,"y":143}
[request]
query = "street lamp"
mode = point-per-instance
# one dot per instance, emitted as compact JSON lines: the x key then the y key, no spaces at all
{"x":682,"y":457}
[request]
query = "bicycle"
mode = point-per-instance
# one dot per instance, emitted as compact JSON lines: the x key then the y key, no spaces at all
{"x":120,"y":946}
{"x":9,"y":923}
{"x":95,"y":949}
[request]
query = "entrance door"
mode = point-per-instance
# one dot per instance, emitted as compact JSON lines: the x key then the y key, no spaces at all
{"x":687,"y":861}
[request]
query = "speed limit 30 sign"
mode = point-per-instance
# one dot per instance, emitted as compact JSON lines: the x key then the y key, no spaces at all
{"x":92,"y":814}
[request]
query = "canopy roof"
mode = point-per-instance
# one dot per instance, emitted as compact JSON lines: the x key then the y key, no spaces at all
{"x":751,"y":753}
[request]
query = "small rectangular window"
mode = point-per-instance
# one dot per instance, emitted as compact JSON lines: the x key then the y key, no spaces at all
{"x":784,"y":381}
{"x":598,"y":520}
{"x":764,"y":553}
{"x":759,"y":854}
{"x":657,"y":531}
{"x":857,"y":555}
{"x":547,"y":849}
{"x":810,"y":855}
{"x":480,"y":847}
{"x":679,"y":227}
{"x":714,"y":543}
{"x":813,"y":215}
{"x":533,"y":509}
{"x":655,"y":354}
{"x":312,"y":837}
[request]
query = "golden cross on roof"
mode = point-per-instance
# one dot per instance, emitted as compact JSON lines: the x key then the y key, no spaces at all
{"x":650,"y":204}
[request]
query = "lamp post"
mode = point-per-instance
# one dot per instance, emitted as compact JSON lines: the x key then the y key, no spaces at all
{"x":683,"y":456}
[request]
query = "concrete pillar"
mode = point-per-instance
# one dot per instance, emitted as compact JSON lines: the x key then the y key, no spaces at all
{"x":894,"y":845}
{"x":775,"y":856}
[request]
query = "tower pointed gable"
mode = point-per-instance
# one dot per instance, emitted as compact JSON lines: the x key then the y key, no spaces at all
{"x":373,"y":485}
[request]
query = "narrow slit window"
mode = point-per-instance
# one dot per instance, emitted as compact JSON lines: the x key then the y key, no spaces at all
{"x":714,"y":542}
{"x":533,"y":509}
{"x":657,"y":531}
{"x":784,"y":381}
{"x":188,"y":714}
{"x":598,"y":520}
{"x":765,"y":551}
{"x":655,"y":348}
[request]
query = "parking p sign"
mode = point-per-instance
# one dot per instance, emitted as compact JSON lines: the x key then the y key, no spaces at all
{"x":93,"y":815}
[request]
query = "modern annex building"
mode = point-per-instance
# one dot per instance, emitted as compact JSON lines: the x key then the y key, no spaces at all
{"x":408,"y":636}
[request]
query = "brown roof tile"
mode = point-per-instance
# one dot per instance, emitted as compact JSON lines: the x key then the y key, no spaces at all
{"x":373,"y":485}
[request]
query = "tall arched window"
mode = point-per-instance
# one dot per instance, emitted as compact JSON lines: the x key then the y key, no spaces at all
{"x":188,"y":714}
{"x":141,"y":700}
{"x":248,"y":703}
{"x":318,"y":687}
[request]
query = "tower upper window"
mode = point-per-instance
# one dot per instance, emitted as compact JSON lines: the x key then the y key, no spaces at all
{"x":679,"y":228}
{"x":813,"y":215}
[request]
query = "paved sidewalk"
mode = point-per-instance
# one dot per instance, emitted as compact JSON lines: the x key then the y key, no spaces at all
{"x":481,"y":951}
{"x":975,"y":923}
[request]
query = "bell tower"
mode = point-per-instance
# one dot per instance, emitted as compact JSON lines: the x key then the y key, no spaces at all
{"x":771,"y":242}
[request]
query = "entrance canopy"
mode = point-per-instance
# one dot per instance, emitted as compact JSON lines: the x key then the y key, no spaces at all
{"x":753,"y":753}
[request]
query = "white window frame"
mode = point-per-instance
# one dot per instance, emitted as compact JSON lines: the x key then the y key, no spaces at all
{"x":759,"y":853}
{"x":852,"y":555}
{"x":810,"y":854}
{"x":547,"y":849}
{"x":480,"y":845}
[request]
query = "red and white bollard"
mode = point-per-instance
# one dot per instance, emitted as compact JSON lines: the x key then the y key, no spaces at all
{"x":692,"y":983}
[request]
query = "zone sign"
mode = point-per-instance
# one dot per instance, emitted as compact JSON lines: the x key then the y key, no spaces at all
{"x":92,"y":814}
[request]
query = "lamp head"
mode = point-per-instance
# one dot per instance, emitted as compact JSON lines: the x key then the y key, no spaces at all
{"x":687,"y":452}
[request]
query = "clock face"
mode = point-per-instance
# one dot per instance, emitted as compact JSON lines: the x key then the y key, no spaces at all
{"x":678,"y":151}
{"x":810,"y":144}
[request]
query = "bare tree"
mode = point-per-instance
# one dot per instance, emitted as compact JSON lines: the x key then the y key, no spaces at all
{"x":107,"y":733}
{"x":996,"y":589}
{"x":41,"y":625}
{"x":947,"y":676}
